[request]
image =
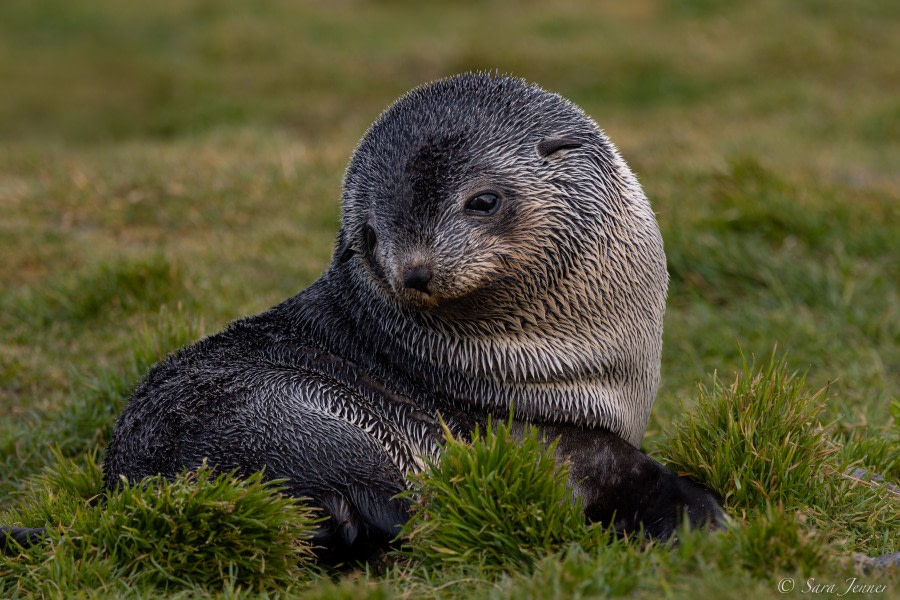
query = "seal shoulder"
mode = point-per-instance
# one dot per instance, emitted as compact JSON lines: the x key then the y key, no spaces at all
{"x":251,"y":388}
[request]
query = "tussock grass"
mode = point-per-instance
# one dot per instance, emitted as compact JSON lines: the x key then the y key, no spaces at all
{"x":497,"y":502}
{"x":754,"y":440}
{"x":758,"y":443}
{"x":200,"y":530}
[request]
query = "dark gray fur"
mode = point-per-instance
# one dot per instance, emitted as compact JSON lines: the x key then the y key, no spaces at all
{"x":554,"y":304}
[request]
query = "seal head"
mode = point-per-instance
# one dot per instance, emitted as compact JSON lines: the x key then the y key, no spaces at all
{"x":499,"y":239}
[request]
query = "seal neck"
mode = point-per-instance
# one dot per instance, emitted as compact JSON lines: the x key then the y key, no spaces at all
{"x":563,"y":361}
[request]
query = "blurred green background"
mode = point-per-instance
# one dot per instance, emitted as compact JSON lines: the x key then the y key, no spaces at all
{"x":187,"y":154}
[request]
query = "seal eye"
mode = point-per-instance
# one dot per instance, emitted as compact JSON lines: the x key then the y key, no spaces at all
{"x":371,"y":239}
{"x":485,"y":203}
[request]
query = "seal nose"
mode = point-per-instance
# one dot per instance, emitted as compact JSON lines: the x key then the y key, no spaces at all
{"x":417,"y":279}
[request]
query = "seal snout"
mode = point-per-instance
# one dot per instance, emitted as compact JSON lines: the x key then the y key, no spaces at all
{"x":416,"y":282}
{"x":417,"y":278}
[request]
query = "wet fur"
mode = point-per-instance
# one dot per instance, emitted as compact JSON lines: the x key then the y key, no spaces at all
{"x":554,"y":305}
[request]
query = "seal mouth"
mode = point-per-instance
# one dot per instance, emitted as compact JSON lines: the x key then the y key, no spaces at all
{"x":423,"y":287}
{"x":416,"y":300}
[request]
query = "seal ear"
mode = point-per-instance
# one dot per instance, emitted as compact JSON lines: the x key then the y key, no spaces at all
{"x":347,"y":254}
{"x":551,"y":145}
{"x":345,"y":249}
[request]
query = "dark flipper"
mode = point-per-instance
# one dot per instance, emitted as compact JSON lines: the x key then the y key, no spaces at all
{"x":357,"y":529}
{"x":23,"y":536}
{"x":623,"y":487}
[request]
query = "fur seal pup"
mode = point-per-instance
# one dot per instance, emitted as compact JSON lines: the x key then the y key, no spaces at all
{"x":495,"y":250}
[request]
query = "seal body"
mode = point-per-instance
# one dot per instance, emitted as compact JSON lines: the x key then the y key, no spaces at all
{"x":495,"y":251}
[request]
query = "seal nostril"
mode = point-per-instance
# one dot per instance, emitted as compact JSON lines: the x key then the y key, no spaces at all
{"x":417,"y":279}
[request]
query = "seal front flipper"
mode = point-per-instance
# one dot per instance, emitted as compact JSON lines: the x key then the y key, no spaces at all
{"x":621,"y":486}
{"x":676,"y":499}
{"x":356,"y":528}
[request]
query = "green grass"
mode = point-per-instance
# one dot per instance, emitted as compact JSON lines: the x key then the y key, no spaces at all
{"x":496,"y":504}
{"x":168,"y":167}
{"x":758,"y":442}
{"x":755,"y":440}
{"x":199,"y":531}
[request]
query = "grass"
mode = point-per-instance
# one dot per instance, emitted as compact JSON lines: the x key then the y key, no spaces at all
{"x":755,"y":440}
{"x":199,"y":531}
{"x":758,"y":443}
{"x":497,"y":503}
{"x":168,"y":168}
